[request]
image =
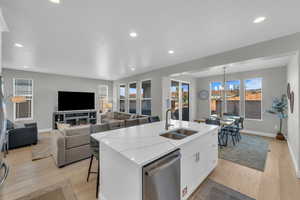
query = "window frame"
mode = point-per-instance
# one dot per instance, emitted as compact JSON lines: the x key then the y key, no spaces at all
{"x":210,"y":92}
{"x":129,"y":98}
{"x":225,"y":101}
{"x":119,"y":103}
{"x":102,"y":98}
{"x":180,"y":96}
{"x":141,"y":96}
{"x":32,"y":95}
{"x":261,"y":100}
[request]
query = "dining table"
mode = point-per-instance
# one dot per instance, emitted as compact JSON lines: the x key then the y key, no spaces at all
{"x":227,"y":120}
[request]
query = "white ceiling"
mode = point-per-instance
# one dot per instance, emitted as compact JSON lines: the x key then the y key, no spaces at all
{"x":250,"y":65}
{"x":90,"y":38}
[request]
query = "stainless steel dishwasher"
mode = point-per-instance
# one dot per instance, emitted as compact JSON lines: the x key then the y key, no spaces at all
{"x":161,"y":178}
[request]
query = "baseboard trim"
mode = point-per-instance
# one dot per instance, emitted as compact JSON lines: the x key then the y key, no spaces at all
{"x":272,"y":135}
{"x":294,"y":160}
{"x":45,"y":130}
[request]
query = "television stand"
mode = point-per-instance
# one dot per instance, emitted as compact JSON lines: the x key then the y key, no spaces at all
{"x":75,"y":118}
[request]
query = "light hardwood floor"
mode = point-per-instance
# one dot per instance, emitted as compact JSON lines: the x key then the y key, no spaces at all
{"x":277,"y":182}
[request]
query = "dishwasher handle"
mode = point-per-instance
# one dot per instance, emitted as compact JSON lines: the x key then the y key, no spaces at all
{"x":168,"y":162}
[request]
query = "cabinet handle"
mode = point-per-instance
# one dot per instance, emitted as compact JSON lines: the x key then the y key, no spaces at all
{"x":197,"y":157}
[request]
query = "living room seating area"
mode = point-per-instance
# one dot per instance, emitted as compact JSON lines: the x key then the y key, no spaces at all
{"x":71,"y":144}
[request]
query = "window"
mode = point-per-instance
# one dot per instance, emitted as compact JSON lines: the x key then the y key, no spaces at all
{"x":253,"y":98}
{"x":24,"y":110}
{"x":122,"y":93}
{"x":104,"y":105}
{"x":216,"y":98}
{"x":132,"y":97}
{"x":146,"y":97}
{"x":233,"y":97}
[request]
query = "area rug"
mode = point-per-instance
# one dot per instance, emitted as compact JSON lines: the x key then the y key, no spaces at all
{"x":211,"y":190}
{"x":42,"y":148}
{"x":59,"y":191}
{"x":251,"y":152}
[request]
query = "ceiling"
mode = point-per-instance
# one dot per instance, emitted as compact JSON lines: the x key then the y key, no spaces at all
{"x":250,"y":65}
{"x":90,"y":38}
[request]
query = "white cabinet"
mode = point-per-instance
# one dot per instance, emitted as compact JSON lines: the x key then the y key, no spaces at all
{"x":199,"y":158}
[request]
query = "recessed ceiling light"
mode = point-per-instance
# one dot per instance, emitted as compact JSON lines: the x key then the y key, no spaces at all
{"x":171,"y":52}
{"x":55,"y":1}
{"x":259,"y":20}
{"x":18,"y":45}
{"x":25,"y":67}
{"x":133,"y":34}
{"x":132,"y":69}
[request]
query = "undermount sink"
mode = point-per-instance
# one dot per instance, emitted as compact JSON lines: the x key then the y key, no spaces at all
{"x":178,"y":134}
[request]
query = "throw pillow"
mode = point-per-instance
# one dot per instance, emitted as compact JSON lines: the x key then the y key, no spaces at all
{"x":62,"y":126}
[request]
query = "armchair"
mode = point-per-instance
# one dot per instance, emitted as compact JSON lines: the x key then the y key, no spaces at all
{"x":27,"y":135}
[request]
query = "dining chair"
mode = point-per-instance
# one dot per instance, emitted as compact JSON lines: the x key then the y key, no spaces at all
{"x":221,"y":133}
{"x":234,"y":132}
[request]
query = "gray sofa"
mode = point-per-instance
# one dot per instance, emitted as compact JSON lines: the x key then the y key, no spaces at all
{"x":71,"y":144}
{"x":110,"y":117}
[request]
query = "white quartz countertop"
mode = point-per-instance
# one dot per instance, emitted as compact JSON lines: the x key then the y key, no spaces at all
{"x":143,"y":144}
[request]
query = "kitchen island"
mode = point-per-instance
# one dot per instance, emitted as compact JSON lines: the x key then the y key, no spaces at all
{"x":125,"y":154}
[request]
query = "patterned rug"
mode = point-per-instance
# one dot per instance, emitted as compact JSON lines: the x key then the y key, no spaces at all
{"x":210,"y":190}
{"x":251,"y":152}
{"x":59,"y":191}
{"x":42,"y":148}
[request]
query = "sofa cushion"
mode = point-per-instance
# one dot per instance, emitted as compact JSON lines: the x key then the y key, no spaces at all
{"x":18,"y":125}
{"x":131,"y":122}
{"x":123,"y":116}
{"x":116,"y":124}
{"x":77,"y":130}
{"x":143,"y":120}
{"x":96,"y":128}
{"x":62,"y":126}
{"x":133,"y":116}
{"x":77,"y":140}
{"x":109,"y":115}
{"x":108,"y":121}
{"x":79,"y":153}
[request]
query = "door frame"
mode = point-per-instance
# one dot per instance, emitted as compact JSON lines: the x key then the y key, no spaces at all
{"x":180,"y":97}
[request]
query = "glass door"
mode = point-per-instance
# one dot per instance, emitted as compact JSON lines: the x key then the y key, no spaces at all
{"x":185,"y":88}
{"x":180,"y":100}
{"x":175,"y":99}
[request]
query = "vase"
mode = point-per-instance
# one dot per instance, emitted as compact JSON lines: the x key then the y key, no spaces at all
{"x":280,"y":136}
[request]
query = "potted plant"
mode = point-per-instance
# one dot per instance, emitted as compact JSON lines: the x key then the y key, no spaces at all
{"x":279,"y":108}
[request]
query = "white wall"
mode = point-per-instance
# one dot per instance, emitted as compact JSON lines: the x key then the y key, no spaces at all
{"x":0,"y":52}
{"x":293,"y":120}
{"x":3,"y":28}
{"x":273,"y":85}
{"x":45,"y":88}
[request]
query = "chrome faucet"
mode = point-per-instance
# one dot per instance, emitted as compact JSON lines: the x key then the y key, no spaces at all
{"x":167,"y":119}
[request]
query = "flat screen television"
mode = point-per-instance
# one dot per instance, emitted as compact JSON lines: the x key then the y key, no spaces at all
{"x":76,"y":101}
